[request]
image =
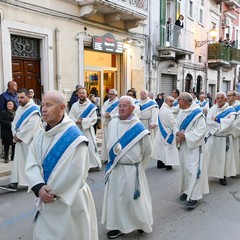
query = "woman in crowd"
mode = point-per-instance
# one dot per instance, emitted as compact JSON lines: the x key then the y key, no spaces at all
{"x":6,"y":118}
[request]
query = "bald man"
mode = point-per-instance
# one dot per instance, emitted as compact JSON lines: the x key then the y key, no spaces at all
{"x":164,"y":144}
{"x":57,"y":168}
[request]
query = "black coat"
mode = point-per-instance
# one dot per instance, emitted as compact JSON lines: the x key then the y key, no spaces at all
{"x":6,"y":118}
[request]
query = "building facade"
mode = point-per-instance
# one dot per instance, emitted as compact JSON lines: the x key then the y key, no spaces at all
{"x":58,"y":44}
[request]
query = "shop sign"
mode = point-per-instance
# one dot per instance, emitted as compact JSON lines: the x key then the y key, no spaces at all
{"x":107,"y":43}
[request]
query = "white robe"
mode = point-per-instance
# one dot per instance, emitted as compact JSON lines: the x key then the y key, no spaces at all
{"x":120,"y":211}
{"x":191,"y":156}
{"x":168,"y":154}
{"x":219,"y":161}
{"x":87,"y":128}
{"x":175,"y":109}
{"x":105,"y":121}
{"x":25,"y":133}
{"x":204,"y":108}
{"x":72,"y":215}
{"x":236,"y":138}
{"x":149,"y":116}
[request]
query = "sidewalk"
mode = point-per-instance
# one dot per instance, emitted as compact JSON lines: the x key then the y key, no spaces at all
{"x":5,"y":168}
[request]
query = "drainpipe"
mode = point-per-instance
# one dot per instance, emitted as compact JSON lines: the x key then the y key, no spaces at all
{"x":80,"y":39}
{"x":58,"y":59}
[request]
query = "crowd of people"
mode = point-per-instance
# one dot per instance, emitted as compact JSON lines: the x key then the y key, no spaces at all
{"x":55,"y":148}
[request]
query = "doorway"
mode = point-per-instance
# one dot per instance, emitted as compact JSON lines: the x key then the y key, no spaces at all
{"x":99,"y":80}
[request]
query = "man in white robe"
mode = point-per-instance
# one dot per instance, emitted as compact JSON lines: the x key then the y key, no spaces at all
{"x":57,"y":168}
{"x":25,"y":124}
{"x":127,"y":204}
{"x":232,"y":101}
{"x":84,"y":114}
{"x":190,"y":132}
{"x":204,"y":104}
{"x":148,"y":113}
{"x":219,"y":146}
{"x":164,"y":145}
{"x":109,"y":111}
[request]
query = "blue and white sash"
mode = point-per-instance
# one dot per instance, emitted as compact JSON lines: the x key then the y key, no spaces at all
{"x":26,"y":115}
{"x":112,"y":107}
{"x":237,"y":109}
{"x":196,"y":113}
{"x":56,"y":152}
{"x":136,"y":102}
{"x":203,"y":104}
{"x":224,"y":114}
{"x":197,"y":102}
{"x":88,"y":111}
{"x":167,"y":137}
{"x":175,"y":103}
{"x":148,"y":105}
{"x":129,"y":138}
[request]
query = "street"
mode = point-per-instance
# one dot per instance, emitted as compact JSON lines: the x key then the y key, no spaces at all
{"x":217,"y":217}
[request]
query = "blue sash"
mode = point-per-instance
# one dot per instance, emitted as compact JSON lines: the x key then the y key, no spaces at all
{"x":125,"y":140}
{"x":112,"y":107}
{"x":27,"y":113}
{"x":203,"y":104}
{"x":189,"y":118}
{"x":237,"y":108}
{"x":85,"y":113}
{"x":197,"y":102}
{"x":136,"y":102}
{"x":53,"y":156}
{"x":148,"y":105}
{"x":224,"y":114}
{"x":168,"y":138}
{"x":175,"y":103}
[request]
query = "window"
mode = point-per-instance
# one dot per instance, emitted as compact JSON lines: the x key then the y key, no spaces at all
{"x":200,"y":59}
{"x":191,"y":8}
{"x":201,"y":16}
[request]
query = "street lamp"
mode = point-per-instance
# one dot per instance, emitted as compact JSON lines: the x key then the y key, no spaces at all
{"x":213,"y":34}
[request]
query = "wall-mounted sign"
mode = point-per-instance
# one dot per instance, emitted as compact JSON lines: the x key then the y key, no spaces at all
{"x":107,"y":43}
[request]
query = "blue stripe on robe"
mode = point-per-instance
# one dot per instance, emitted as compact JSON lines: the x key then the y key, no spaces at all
{"x":89,"y":108}
{"x":147,"y":105}
{"x":112,"y":107}
{"x":224,"y":114}
{"x":175,"y":103}
{"x":125,"y":140}
{"x":52,"y":158}
{"x":26,"y":114}
{"x":237,"y":108}
{"x":164,"y":133}
{"x":203,"y":104}
{"x":189,"y":118}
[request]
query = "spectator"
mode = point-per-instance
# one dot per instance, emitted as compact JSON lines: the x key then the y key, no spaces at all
{"x":6,"y":118}
{"x":32,"y":98}
{"x":10,"y":94}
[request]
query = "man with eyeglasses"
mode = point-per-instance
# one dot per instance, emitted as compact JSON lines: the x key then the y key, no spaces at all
{"x":190,"y":132}
{"x":219,"y":146}
{"x":127,"y":204}
{"x":232,"y":101}
{"x":109,"y":111}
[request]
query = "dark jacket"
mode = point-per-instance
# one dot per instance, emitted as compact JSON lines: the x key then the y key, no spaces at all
{"x":6,"y":118}
{"x":4,"y":97}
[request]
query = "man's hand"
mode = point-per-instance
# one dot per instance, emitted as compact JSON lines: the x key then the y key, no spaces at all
{"x":107,"y":115}
{"x":79,"y":121}
{"x":181,"y":136}
{"x":44,"y":194}
{"x":152,"y":126}
{"x":16,"y":139}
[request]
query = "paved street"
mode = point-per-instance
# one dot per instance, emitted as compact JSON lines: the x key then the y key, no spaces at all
{"x":216,"y":218}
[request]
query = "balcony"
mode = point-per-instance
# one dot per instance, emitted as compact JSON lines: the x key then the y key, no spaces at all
{"x":176,"y":42}
{"x":232,"y":3}
{"x":124,"y":14}
{"x":220,"y":55}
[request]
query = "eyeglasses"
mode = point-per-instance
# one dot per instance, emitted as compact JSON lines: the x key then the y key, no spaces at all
{"x":229,"y":95}
{"x":124,"y":106}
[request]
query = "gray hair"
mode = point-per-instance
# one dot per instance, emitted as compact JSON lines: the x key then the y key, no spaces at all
{"x":187,"y":97}
{"x":113,"y":90}
{"x":129,"y":99}
{"x":58,"y":96}
{"x":221,"y":93}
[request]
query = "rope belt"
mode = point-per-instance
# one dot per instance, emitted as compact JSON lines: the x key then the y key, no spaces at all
{"x":227,"y":141}
{"x":137,"y":191}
